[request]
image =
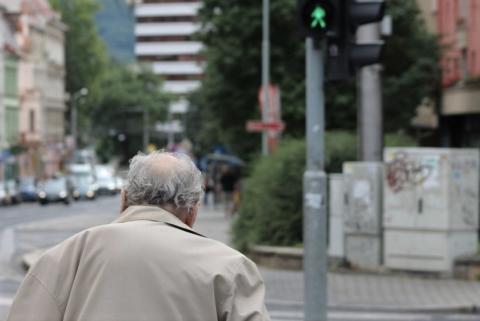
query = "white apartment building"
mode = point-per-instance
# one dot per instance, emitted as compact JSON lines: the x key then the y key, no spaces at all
{"x":163,"y":32}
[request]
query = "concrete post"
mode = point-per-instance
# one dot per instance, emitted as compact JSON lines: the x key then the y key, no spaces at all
{"x":370,"y":118}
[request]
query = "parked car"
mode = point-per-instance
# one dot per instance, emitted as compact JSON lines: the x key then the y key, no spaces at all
{"x":106,"y":180}
{"x":4,"y":196}
{"x":119,"y":183}
{"x":57,"y":189}
{"x":84,"y":187}
{"x":28,"y":189}
{"x":13,"y":190}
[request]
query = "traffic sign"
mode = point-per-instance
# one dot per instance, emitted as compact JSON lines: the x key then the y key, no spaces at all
{"x":274,"y":107}
{"x":259,"y":126}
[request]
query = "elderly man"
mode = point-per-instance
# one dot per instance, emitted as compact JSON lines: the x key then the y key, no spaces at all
{"x":147,"y":265}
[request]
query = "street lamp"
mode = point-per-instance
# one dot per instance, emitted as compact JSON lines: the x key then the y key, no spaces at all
{"x":73,"y":114}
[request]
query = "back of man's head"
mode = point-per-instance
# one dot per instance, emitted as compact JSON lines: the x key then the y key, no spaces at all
{"x":163,"y":179}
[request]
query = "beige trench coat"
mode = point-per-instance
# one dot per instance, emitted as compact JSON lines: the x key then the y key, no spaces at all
{"x":147,"y":265}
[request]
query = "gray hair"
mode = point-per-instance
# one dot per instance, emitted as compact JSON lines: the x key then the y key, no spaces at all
{"x":163,"y":178}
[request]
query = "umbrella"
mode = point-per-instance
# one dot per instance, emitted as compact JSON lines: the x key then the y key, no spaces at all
{"x":223,"y":158}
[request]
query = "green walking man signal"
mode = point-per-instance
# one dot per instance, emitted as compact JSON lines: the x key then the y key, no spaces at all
{"x":315,"y":17}
{"x":318,"y":18}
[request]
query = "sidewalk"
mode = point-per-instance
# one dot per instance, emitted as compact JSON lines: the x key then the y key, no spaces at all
{"x":347,"y":291}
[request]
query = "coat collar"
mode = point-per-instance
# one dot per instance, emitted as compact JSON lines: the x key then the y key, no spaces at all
{"x":153,"y":213}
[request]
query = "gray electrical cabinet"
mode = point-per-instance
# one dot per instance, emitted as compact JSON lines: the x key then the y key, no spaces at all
{"x":336,"y":248}
{"x":363,"y":213}
{"x":430,"y":207}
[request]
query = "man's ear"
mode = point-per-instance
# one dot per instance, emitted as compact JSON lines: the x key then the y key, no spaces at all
{"x":123,"y":201}
{"x":192,"y":216}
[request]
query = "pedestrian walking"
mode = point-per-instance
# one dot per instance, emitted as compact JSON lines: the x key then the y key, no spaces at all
{"x":149,"y":264}
{"x":228,"y":181}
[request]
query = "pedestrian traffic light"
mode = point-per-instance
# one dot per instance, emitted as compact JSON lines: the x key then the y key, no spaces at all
{"x":344,"y":55}
{"x":316,"y":17}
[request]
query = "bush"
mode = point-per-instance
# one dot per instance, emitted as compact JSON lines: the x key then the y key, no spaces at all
{"x":271,"y":207}
{"x":341,"y":146}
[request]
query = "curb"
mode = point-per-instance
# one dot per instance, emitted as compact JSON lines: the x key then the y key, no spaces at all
{"x":470,"y":309}
{"x":30,"y":258}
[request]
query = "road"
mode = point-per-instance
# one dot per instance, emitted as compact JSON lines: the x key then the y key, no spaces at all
{"x":27,"y":227}
{"x":18,"y":235}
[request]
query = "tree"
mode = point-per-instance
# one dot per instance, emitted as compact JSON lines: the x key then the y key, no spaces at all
{"x":228,"y":98}
{"x":126,"y":93}
{"x":231,"y":32}
{"x":86,"y":56}
{"x":412,"y":69}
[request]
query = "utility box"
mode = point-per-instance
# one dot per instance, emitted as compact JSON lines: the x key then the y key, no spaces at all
{"x":430,"y":207}
{"x":336,"y":210}
{"x":363,"y":213}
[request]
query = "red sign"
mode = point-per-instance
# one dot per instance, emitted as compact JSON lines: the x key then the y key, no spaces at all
{"x":274,"y":107}
{"x":258,"y":126}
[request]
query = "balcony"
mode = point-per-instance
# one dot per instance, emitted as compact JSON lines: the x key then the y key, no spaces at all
{"x":167,"y":9}
{"x":177,"y":68}
{"x":168,"y":48}
{"x":166,"y":29}
{"x":181,"y":86}
{"x":461,"y":100}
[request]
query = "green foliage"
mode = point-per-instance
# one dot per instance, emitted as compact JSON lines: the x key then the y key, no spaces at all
{"x":411,"y":64}
{"x":399,"y":140}
{"x":341,"y":146}
{"x":86,"y":57}
{"x":126,"y":92}
{"x":271,"y":206}
{"x":228,"y":98}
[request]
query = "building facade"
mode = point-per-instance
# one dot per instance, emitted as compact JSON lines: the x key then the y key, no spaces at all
{"x":9,"y":104}
{"x":164,"y":38}
{"x":457,"y":22}
{"x":41,"y":86}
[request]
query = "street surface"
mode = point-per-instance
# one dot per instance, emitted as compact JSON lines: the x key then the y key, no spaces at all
{"x":27,"y":227}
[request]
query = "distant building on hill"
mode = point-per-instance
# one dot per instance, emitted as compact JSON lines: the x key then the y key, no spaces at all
{"x":115,"y":24}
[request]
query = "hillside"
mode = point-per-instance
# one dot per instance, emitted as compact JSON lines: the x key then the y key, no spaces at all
{"x":115,"y":23}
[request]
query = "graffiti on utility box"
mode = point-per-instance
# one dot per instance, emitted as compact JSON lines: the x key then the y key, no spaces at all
{"x":404,"y":173}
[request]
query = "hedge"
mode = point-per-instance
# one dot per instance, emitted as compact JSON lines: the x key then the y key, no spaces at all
{"x":270,"y":211}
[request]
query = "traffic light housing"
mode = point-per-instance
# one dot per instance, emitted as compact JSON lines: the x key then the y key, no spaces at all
{"x":316,"y":18}
{"x":344,"y":55}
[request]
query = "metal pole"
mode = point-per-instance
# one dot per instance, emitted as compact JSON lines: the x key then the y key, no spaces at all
{"x":315,"y":191}
{"x":370,"y":92}
{"x":73,"y":121}
{"x":265,"y":71}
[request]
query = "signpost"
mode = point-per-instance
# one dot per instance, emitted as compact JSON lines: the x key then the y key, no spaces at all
{"x":273,"y":126}
{"x":258,"y":126}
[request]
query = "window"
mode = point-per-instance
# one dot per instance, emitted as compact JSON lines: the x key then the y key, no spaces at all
{"x":31,"y":121}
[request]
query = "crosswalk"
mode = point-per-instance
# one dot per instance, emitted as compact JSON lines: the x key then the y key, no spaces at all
{"x":279,"y":315}
{"x":296,"y":315}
